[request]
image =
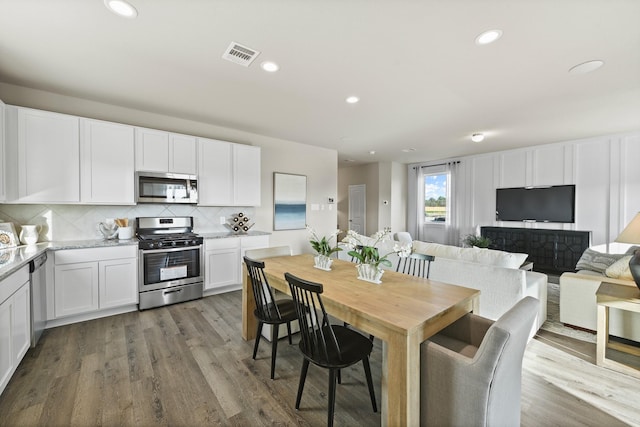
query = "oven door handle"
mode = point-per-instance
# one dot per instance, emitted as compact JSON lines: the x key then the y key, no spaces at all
{"x":172,"y":249}
{"x":173,"y":291}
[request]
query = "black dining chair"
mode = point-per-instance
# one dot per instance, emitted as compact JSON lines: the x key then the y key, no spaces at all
{"x":333,"y":347}
{"x":415,"y":264}
{"x":268,"y":310}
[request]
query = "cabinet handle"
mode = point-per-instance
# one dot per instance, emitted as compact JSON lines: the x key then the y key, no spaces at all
{"x":172,"y":292}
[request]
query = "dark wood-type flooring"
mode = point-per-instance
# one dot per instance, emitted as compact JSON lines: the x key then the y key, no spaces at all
{"x":187,"y":365}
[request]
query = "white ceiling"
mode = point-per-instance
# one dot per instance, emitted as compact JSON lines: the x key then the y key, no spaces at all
{"x":422,"y":81}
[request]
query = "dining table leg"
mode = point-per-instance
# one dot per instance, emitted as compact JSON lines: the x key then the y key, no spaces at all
{"x":249,"y":323}
{"x":401,"y":389}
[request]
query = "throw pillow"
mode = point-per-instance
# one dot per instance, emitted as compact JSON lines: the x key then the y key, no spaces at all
{"x":620,"y":269}
{"x":632,"y":250}
{"x":596,"y":261}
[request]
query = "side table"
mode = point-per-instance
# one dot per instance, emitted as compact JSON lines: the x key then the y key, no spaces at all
{"x":612,"y":295}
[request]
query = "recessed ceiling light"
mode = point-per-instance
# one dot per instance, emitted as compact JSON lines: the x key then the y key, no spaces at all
{"x":349,"y":160}
{"x":352,"y":99}
{"x":270,"y":66}
{"x":488,"y":37}
{"x":408,"y":150}
{"x":121,"y":7}
{"x":586,"y":67}
{"x":477,"y":137}
{"x":372,"y":152}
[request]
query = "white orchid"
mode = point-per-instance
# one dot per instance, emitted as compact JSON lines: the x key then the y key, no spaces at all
{"x":322,"y":245}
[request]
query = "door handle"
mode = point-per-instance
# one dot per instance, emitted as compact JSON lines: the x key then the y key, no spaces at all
{"x":172,"y":292}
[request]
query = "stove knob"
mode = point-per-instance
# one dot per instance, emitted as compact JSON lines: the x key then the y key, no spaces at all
{"x":151,"y":245}
{"x":174,"y":244}
{"x":160,"y":244}
{"x":186,"y":242}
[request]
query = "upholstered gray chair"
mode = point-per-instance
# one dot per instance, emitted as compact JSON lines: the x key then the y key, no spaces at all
{"x":471,"y":372}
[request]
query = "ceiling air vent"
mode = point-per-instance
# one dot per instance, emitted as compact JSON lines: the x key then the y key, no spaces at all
{"x":240,"y":54}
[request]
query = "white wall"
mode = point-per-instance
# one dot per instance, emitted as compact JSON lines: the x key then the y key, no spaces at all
{"x":318,"y":164}
{"x":604,"y":170}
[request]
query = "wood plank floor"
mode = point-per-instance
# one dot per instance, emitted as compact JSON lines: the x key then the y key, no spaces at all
{"x":187,"y":365}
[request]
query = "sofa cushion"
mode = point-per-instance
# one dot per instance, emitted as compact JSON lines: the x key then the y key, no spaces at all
{"x":477,"y":255}
{"x":620,"y":269}
{"x":596,"y":261}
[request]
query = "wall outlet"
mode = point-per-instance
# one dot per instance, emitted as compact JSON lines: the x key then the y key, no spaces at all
{"x":223,"y":220}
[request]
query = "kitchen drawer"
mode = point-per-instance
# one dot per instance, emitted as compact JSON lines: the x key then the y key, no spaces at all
{"x":12,"y":283}
{"x":224,"y":243}
{"x":70,"y":256}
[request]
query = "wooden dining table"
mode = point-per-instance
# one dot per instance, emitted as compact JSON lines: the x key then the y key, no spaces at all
{"x":402,"y":311}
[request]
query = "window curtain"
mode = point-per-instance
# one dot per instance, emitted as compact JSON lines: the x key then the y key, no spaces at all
{"x":453,"y":203}
{"x":420,"y":205}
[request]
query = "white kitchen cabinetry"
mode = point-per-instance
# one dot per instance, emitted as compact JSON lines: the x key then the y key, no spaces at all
{"x":229,"y":174}
{"x":159,"y":151}
{"x":15,"y":323}
{"x":246,"y":175}
{"x":89,"y":280}
{"x":43,"y":156}
{"x":223,"y":260}
{"x":107,"y":167}
{"x":3,"y":155}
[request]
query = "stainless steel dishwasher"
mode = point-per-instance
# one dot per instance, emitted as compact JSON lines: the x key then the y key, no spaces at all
{"x":38,"y":277}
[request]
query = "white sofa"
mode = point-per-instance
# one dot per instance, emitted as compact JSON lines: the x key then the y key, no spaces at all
{"x":495,"y":273}
{"x":578,"y":304}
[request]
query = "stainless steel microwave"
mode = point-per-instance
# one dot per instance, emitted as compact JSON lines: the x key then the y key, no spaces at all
{"x":160,"y":187}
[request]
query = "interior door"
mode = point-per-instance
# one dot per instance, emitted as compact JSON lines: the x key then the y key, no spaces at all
{"x":357,"y":208}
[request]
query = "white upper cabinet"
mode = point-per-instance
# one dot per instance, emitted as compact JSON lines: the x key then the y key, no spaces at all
{"x":152,"y":150}
{"x":215,"y":180}
{"x":107,"y":162}
{"x":43,"y":153}
{"x":3,"y":155}
{"x":229,"y":174}
{"x":246,"y":175}
{"x":159,"y":151}
{"x":182,"y":154}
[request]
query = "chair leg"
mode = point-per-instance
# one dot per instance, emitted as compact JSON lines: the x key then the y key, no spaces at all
{"x":332,"y":395}
{"x":339,"y":377}
{"x":367,"y":372}
{"x":274,"y":348}
{"x":303,"y":376}
{"x":289,"y":332}
{"x":258,"y":334}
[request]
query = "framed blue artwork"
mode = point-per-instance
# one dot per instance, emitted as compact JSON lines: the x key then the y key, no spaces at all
{"x":289,"y":201}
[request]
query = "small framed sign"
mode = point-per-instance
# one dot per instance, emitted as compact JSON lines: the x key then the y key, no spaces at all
{"x":8,"y":236}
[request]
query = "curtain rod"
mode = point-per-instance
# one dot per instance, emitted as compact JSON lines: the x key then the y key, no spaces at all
{"x":439,"y":164}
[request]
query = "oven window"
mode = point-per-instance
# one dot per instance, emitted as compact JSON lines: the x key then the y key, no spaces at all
{"x":165,"y":266}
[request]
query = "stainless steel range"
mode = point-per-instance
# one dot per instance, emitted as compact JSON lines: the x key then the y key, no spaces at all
{"x":171,"y":261}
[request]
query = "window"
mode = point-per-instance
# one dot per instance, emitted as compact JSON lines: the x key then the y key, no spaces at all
{"x":436,"y":189}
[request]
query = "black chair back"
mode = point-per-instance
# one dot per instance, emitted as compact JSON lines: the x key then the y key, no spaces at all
{"x":317,"y":338}
{"x":266,"y":310}
{"x":415,"y":264}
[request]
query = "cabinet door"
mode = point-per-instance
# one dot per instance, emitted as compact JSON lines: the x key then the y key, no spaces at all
{"x":6,"y":343}
{"x":107,"y":167}
{"x":3,"y":155}
{"x":76,"y":288}
{"x":48,"y":157}
{"x":182,"y":154}
{"x":118,"y":282}
{"x":246,"y":175}
{"x":152,"y":150}
{"x":21,"y":328}
{"x":221,"y":268}
{"x":215,"y":181}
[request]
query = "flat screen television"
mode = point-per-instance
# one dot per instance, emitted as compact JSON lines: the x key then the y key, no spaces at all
{"x":541,"y":204}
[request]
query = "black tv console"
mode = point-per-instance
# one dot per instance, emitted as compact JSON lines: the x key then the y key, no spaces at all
{"x":551,"y":251}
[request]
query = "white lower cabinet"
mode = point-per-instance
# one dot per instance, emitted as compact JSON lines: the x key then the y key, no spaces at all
{"x":15,"y":323}
{"x":88,"y":280}
{"x":223,"y":260}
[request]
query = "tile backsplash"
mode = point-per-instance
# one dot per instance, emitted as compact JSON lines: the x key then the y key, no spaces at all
{"x":80,"y":222}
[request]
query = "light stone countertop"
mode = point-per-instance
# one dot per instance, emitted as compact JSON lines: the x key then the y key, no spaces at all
{"x":12,"y":259}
